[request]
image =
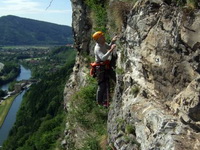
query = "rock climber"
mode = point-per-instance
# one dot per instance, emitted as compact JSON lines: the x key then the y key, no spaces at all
{"x":103,"y":53}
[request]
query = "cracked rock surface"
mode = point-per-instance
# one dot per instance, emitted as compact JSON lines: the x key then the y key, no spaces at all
{"x":156,"y":102}
{"x":159,"y":53}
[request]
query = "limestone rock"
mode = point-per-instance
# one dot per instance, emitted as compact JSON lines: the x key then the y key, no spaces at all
{"x":157,"y":94}
{"x":159,"y":54}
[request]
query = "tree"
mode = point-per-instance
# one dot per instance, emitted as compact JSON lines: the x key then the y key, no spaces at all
{"x":2,"y":93}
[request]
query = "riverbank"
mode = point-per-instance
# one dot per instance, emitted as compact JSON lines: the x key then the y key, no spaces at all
{"x":5,"y":107}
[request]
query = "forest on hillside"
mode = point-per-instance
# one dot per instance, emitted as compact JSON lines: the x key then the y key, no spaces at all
{"x":40,"y":120}
{"x":21,"y":31}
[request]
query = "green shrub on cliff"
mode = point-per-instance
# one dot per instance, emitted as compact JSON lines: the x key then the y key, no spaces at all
{"x":85,"y":115}
{"x":192,"y":3}
{"x":99,"y":13}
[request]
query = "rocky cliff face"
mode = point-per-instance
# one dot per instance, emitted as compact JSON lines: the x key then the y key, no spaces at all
{"x":156,"y":99}
{"x":82,"y":34}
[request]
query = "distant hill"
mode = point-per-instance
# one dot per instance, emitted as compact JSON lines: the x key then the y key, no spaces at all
{"x":21,"y":31}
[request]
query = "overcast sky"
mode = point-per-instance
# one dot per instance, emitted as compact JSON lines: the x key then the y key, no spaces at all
{"x":59,"y":12}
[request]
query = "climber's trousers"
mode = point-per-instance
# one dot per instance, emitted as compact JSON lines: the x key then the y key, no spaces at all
{"x":102,"y":95}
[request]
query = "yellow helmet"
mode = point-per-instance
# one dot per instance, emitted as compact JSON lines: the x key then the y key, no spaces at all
{"x":97,"y":35}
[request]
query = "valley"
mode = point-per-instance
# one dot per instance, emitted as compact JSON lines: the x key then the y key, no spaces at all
{"x":41,"y":62}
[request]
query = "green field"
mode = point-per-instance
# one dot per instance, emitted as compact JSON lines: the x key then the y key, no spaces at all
{"x":4,"y":108}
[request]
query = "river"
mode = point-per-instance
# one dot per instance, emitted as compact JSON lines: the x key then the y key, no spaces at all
{"x":11,"y":116}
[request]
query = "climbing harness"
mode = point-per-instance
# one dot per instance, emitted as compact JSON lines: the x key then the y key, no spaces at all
{"x":95,"y":64}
